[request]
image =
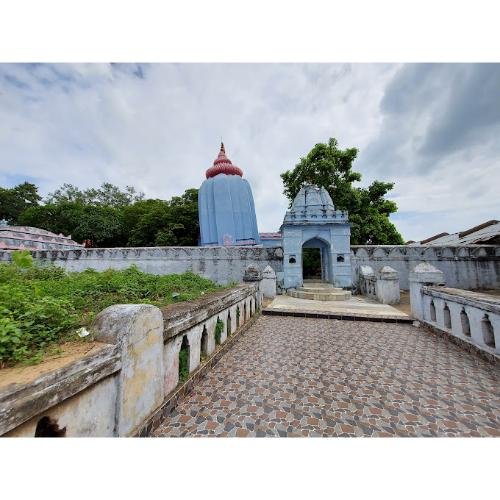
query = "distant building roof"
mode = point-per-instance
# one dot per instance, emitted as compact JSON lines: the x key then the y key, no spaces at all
{"x":270,"y":236}
{"x":33,"y":238}
{"x":432,"y":238}
{"x":487,"y":233}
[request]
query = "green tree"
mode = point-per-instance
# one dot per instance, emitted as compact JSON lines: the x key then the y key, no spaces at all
{"x":107,"y":194}
{"x":163,"y":223}
{"x":145,"y":219}
{"x":330,"y":167}
{"x":101,"y":225}
{"x":183,"y":218}
{"x":15,"y":200}
{"x":110,"y":217}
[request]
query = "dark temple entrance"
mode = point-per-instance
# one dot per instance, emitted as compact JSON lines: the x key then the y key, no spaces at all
{"x":311,"y":263}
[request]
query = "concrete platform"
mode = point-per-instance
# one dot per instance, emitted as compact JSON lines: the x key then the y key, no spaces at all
{"x":355,"y":308}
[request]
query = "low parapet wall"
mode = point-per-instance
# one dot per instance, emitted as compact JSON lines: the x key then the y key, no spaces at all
{"x":223,"y":265}
{"x":471,"y":319}
{"x":469,"y":316}
{"x":469,"y":267}
{"x":132,"y":371}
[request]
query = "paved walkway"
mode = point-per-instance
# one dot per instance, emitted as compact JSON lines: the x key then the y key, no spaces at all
{"x":318,"y":377}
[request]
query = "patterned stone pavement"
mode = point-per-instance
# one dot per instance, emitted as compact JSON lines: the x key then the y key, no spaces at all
{"x":319,"y":377}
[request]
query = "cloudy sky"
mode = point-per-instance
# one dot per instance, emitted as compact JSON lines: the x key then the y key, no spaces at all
{"x":432,"y":129}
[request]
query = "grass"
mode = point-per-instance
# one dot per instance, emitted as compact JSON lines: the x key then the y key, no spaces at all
{"x":41,"y":307}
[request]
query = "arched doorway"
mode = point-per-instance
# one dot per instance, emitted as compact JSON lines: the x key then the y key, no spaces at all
{"x":316,"y":260}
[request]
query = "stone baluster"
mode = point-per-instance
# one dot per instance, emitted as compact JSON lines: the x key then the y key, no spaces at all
{"x":423,"y":274}
{"x":387,"y":286}
{"x":268,"y":283}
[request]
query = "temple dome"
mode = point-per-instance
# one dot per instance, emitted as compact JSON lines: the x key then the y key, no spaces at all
{"x":311,"y":196}
{"x":313,"y":205}
{"x":222,"y":165}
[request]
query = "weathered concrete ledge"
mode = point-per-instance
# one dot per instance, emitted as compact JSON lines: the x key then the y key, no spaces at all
{"x":21,"y":402}
{"x":184,"y":315}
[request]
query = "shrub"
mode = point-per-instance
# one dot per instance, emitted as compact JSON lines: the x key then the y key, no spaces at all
{"x":43,"y":306}
{"x":22,"y":258}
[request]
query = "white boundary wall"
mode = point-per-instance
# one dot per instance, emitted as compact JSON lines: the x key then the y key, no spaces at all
{"x":223,"y":265}
{"x":469,"y":267}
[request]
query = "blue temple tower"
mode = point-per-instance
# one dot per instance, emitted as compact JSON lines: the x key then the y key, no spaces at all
{"x":225,"y":206}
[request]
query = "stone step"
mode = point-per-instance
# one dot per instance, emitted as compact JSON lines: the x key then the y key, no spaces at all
{"x":315,"y":289}
{"x":324,"y":295}
{"x":317,"y":284}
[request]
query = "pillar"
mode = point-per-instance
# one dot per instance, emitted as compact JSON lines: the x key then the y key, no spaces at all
{"x":422,"y":275}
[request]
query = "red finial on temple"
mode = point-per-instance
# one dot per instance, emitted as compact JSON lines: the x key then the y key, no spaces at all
{"x":223,"y":165}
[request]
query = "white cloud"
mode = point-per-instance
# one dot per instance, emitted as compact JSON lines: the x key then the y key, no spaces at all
{"x":86,"y":124}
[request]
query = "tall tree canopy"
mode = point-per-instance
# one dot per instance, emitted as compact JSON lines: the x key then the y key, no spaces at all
{"x":110,"y":217}
{"x":328,"y":166}
{"x":13,"y":201}
{"x":164,"y":223}
{"x":99,"y":224}
{"x":108,"y":195}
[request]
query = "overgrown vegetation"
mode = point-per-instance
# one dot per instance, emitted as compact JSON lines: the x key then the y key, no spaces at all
{"x":219,"y":328}
{"x":183,"y":363}
{"x":43,"y":306}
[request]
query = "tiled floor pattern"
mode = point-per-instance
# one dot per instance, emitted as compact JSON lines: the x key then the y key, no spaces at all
{"x":318,"y":377}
